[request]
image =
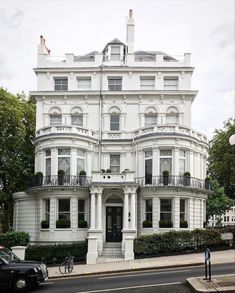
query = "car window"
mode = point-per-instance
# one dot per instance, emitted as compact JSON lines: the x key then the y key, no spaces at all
{"x":8,"y":255}
{"x":3,"y":261}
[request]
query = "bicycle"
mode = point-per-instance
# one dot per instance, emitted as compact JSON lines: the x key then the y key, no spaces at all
{"x":66,"y":267}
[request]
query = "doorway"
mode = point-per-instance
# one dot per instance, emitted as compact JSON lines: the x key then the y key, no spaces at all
{"x":113,"y":224}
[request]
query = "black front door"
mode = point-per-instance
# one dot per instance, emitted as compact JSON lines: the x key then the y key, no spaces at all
{"x":113,"y":224}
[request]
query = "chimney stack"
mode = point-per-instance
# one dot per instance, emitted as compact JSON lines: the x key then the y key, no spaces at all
{"x":130,"y":33}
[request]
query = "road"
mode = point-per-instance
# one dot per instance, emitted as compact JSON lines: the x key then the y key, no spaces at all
{"x":157,"y":280}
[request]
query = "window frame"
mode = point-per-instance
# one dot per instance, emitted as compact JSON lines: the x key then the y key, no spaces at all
{"x":114,"y":123}
{"x":113,"y":85}
{"x":64,"y":212}
{"x":147,"y":86}
{"x":148,"y":214}
{"x":165,"y":212}
{"x":62,"y":86}
{"x":171,"y":86}
{"x":84,"y":87}
{"x":115,"y":166}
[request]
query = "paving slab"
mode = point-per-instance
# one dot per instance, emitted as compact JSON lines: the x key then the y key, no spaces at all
{"x":192,"y":259}
{"x":222,"y":283}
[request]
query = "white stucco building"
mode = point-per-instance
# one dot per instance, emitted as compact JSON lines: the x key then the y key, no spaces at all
{"x":120,"y":109}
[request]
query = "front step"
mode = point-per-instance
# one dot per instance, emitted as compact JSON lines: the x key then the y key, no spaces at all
{"x":112,"y":252}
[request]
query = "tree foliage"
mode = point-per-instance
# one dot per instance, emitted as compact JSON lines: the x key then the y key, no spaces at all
{"x":218,"y":202}
{"x":17,"y":128}
{"x":221,"y":163}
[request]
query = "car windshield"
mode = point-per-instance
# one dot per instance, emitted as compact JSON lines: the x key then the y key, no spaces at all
{"x":8,"y":255}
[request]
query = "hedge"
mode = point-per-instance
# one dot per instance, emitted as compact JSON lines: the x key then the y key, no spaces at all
{"x":10,"y":239}
{"x":177,"y":241}
{"x":56,"y":253}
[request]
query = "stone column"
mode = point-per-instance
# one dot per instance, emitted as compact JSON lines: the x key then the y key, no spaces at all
{"x":140,"y":164}
{"x":141,"y":119}
{"x":155,"y":162}
{"x":133,"y":211}
{"x":41,"y":162}
{"x":99,"y":211}
{"x":176,"y":219}
{"x":88,"y":163}
{"x":54,"y":161}
{"x":126,"y":210}
{"x":191,"y":167}
{"x":93,"y":213}
{"x":190,"y":213}
{"x":176,"y":162}
{"x":73,"y":169}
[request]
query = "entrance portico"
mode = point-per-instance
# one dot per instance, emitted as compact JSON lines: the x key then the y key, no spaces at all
{"x":112,"y":216}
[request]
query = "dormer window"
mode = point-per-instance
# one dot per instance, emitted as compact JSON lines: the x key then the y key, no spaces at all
{"x":115,"y":53}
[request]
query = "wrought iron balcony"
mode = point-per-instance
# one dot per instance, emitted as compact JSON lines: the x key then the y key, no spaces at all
{"x":173,"y":180}
{"x":66,"y":180}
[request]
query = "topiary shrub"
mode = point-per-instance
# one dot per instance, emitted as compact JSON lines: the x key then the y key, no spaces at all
{"x":82,"y":224}
{"x":183,"y":224}
{"x":63,"y":223}
{"x":108,"y":171}
{"x":165,"y":224}
{"x":10,"y":239}
{"x":44,"y":224}
{"x":147,"y":224}
{"x":56,"y":253}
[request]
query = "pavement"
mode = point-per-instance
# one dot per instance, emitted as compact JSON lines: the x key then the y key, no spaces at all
{"x":224,"y":283}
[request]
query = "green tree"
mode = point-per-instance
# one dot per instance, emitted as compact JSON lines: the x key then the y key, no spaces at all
{"x":17,"y":128}
{"x":221,"y":162}
{"x":217,"y":202}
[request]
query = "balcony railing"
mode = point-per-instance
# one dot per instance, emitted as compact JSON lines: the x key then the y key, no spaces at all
{"x":128,"y":177}
{"x":173,"y":180}
{"x":66,"y":180}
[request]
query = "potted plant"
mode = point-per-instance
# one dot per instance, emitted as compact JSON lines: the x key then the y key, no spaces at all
{"x":165,"y":224}
{"x":61,"y":174}
{"x":147,"y":224}
{"x":186,"y":180}
{"x":82,"y":224}
{"x":39,"y":178}
{"x":63,"y":223}
{"x":44,"y":224}
{"x":82,"y":178}
{"x":207,"y":182}
{"x":108,"y":171}
{"x":183,"y":224}
{"x":102,"y":170}
{"x":165,"y":175}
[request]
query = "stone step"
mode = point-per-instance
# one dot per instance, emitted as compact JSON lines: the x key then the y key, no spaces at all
{"x":112,"y":244}
{"x":105,"y":259}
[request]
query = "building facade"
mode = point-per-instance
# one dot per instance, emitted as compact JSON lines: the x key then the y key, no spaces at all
{"x":123,"y":117}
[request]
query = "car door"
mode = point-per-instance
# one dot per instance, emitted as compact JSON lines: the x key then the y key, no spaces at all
{"x":5,"y":275}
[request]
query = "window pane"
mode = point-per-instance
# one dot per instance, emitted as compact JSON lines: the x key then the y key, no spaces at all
{"x":77,"y":119}
{"x":165,"y":165}
{"x":56,"y":119}
{"x":171,"y":83}
{"x":165,"y":153}
{"x":172,"y":118}
{"x":64,"y":164}
{"x":81,"y":153}
{"x":147,"y":83}
{"x":61,"y":84}
{"x":81,"y":205}
{"x":115,"y":84}
{"x":62,"y":152}
{"x":115,"y":163}
{"x":148,"y":154}
{"x":150,"y":119}
{"x":114,"y":121}
{"x":48,"y":153}
{"x":84,"y":83}
{"x":80,"y":165}
{"x":115,"y":52}
{"x":48,"y":167}
{"x":64,"y":205}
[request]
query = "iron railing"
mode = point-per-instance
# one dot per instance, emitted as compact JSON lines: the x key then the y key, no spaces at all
{"x":65,"y":180}
{"x":173,"y":180}
{"x":84,"y":181}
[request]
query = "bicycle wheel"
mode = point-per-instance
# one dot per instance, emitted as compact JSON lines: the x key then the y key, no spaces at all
{"x":63,"y":267}
{"x":70,"y":266}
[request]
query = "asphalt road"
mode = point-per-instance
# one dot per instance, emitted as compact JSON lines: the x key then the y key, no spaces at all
{"x":161,"y":281}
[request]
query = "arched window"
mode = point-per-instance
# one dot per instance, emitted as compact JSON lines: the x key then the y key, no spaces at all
{"x":55,"y":116}
{"x":114,"y":114}
{"x":172,"y":115}
{"x":77,"y":116}
{"x":150,"y":117}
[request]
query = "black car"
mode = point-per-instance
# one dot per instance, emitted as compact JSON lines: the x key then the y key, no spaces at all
{"x":18,"y":275}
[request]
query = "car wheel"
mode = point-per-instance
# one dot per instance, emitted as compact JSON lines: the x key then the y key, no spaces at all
{"x":21,"y":284}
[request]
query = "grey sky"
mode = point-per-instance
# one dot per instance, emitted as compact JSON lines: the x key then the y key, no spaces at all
{"x":203,"y":27}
